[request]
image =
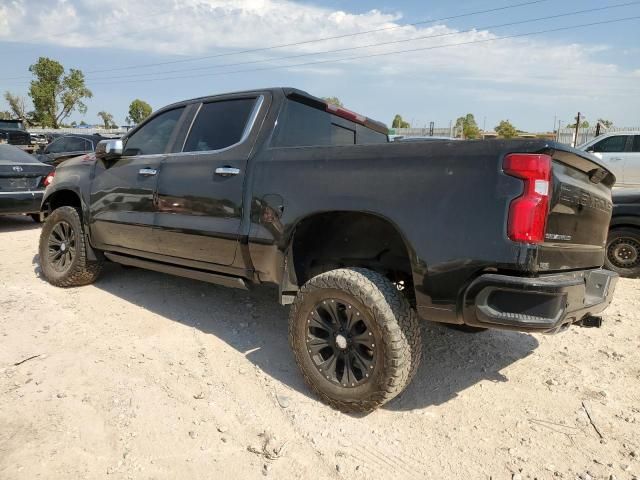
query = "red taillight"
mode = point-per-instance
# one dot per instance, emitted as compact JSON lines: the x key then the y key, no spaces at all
{"x":528,"y":213}
{"x":49,"y":178}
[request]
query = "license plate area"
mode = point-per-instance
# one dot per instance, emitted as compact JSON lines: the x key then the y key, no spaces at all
{"x":14,"y":184}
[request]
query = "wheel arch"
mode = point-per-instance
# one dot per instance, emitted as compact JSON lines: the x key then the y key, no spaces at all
{"x":327,"y":240}
{"x":65,"y":196}
{"x":625,"y":221}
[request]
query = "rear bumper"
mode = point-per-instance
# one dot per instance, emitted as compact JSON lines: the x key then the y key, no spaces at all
{"x":542,"y":304}
{"x":20,"y":202}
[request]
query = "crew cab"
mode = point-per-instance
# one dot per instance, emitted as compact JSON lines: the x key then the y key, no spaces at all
{"x":362,"y":236}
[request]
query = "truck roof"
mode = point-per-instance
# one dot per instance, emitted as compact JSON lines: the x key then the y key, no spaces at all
{"x":299,"y":95}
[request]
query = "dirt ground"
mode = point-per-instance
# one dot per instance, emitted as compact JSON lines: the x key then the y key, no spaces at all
{"x":147,"y":376}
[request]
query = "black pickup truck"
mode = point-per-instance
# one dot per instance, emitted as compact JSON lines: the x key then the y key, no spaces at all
{"x":364,"y":236}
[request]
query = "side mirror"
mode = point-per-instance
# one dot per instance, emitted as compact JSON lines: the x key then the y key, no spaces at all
{"x":590,"y":150}
{"x":109,"y":149}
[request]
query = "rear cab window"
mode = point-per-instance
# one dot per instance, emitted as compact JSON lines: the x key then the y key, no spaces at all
{"x":303,"y":124}
{"x":220,"y":124}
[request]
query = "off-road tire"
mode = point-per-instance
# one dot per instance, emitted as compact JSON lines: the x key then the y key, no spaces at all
{"x":632,"y":237}
{"x":397,"y":331}
{"x":80,"y":271}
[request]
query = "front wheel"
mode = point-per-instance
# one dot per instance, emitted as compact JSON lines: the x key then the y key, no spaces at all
{"x":623,"y":252}
{"x":63,"y":251}
{"x":355,"y":338}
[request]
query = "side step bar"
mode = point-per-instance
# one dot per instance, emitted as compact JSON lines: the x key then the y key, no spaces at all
{"x":227,"y":281}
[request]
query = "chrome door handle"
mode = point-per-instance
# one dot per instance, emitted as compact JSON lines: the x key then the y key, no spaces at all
{"x":147,"y":172}
{"x":227,"y":171}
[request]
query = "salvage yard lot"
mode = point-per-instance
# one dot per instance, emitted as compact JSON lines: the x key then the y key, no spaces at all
{"x":143,"y":375}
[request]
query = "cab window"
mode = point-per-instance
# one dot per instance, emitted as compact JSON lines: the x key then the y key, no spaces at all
{"x":615,"y":144}
{"x":153,"y":137}
{"x":219,"y":125}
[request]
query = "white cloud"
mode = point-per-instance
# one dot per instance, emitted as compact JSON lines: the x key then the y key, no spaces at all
{"x":529,"y":67}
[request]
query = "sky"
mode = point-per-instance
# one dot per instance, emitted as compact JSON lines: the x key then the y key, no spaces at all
{"x":425,"y":60}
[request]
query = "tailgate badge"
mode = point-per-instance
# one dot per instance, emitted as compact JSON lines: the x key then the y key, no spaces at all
{"x":17,"y":169}
{"x":553,"y":236}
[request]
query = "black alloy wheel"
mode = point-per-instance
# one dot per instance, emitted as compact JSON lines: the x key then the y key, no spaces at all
{"x":355,"y":338}
{"x":62,"y":246}
{"x":341,"y":343}
{"x":63,"y":250}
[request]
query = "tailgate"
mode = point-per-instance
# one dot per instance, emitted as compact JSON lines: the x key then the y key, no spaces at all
{"x":579,"y":214}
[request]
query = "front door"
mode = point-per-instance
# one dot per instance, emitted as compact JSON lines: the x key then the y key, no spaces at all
{"x":123,"y":190}
{"x":632,"y":163}
{"x":200,"y":190}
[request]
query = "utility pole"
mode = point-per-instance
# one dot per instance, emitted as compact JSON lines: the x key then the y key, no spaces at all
{"x":559,"y":127}
{"x":575,"y":140}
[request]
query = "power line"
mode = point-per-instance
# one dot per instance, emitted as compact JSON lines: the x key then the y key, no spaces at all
{"x":375,"y":55}
{"x":306,"y":42}
{"x":392,"y":42}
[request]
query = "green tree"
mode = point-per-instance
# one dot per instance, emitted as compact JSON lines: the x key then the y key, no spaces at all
{"x":18,"y":107}
{"x":605,"y":123}
{"x":56,"y":94}
{"x":506,"y":130}
{"x":107,"y":119}
{"x":333,"y":100}
{"x":467,"y":127}
{"x":139,"y":110}
{"x":5,"y":115}
{"x":398,"y":122}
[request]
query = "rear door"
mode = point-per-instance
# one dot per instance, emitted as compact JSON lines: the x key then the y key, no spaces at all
{"x":612,"y":150}
{"x":123,"y":191}
{"x":200,"y":190}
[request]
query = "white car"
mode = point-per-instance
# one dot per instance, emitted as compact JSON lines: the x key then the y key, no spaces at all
{"x":620,"y":152}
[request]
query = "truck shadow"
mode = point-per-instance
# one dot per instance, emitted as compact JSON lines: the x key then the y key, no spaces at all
{"x":255,"y":324}
{"x":17,"y":223}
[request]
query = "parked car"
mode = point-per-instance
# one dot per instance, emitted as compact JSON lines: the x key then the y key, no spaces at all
{"x":360,"y":234}
{"x":623,"y":244}
{"x":69,"y":146}
{"x":620,"y":152}
{"x":14,"y":133}
{"x":22,"y":182}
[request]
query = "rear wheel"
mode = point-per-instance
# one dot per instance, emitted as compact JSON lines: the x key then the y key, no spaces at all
{"x":63,"y":252}
{"x":355,"y":338}
{"x":623,"y":251}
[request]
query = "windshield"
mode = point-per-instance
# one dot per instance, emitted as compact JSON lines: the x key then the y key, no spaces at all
{"x":11,"y":125}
